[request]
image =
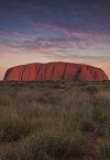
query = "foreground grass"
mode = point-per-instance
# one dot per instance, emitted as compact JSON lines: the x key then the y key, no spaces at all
{"x":47,"y":121}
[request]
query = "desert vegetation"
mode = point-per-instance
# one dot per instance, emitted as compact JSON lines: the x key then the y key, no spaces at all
{"x":54,"y":120}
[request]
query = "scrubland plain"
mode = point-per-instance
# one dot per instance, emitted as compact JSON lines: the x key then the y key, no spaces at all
{"x":54,"y":121}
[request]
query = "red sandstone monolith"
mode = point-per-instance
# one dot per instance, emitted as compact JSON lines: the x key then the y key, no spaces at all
{"x":55,"y":71}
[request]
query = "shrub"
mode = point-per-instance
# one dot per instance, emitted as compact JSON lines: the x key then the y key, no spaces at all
{"x":48,"y":98}
{"x":8,"y":153}
{"x":87,"y":125}
{"x":19,"y":153}
{"x":56,"y":146}
{"x":91,"y":89}
{"x":104,"y":150}
{"x":14,"y":129}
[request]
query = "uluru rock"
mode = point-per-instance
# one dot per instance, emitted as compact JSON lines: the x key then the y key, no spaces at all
{"x":55,"y":71}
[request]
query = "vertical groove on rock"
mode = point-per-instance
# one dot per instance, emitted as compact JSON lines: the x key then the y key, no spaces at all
{"x":42,"y":73}
{"x":28,"y":75}
{"x":38,"y":68}
{"x":45,"y":71}
{"x":63,"y":76}
{"x":36,"y":72}
{"x":77,"y":75}
{"x":22,"y":73}
{"x":52,"y":72}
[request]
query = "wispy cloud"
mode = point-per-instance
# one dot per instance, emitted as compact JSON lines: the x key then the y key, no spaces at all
{"x":77,"y":40}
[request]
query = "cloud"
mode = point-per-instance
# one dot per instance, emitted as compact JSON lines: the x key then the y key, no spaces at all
{"x":4,"y":32}
{"x":80,"y":57}
{"x":64,"y":43}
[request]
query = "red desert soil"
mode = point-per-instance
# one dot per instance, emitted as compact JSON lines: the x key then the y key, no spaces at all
{"x":55,"y":71}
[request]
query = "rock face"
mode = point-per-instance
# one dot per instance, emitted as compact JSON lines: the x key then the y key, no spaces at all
{"x":55,"y":71}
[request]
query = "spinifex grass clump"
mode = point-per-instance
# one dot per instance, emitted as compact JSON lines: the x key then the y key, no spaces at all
{"x":56,"y":145}
{"x":104,"y":150}
{"x":14,"y":129}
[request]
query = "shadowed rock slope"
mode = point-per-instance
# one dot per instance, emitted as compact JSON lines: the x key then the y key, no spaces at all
{"x":55,"y":71}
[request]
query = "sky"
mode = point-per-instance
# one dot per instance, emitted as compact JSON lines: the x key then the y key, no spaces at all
{"x":75,"y":31}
